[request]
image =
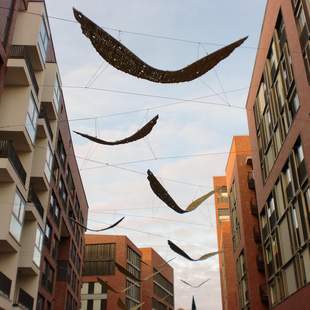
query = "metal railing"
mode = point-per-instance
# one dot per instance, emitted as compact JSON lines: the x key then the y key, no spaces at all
{"x":25,"y":300}
{"x":21,"y":51}
{"x":5,"y":285}
{"x":33,"y":198}
{"x":43,"y":115}
{"x":7,"y":151}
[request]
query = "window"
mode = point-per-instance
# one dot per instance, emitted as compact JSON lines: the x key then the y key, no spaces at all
{"x":54,"y":208}
{"x":43,"y":40}
{"x":47,"y":234}
{"x":31,"y":118}
{"x":61,"y":151}
{"x":301,"y":19}
{"x":38,"y":246}
{"x":40,"y":303}
{"x":57,"y":94}
{"x":17,"y":218}
{"x":48,"y":276}
{"x":62,"y":191}
{"x":48,"y":162}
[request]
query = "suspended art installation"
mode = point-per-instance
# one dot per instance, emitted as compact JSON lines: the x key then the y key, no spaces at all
{"x":95,"y":230}
{"x":125,"y":272}
{"x":179,"y":251}
{"x":105,"y":284}
{"x":122,"y":305}
{"x":141,"y":133}
{"x":162,"y":194}
{"x":195,"y":286}
{"x":194,"y":304}
{"x":121,"y":58}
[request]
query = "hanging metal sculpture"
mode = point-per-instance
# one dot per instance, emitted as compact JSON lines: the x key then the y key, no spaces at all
{"x":141,"y":133}
{"x":162,"y":194}
{"x":108,"y":287}
{"x":194,"y":304}
{"x":121,"y":58}
{"x":179,"y":251}
{"x":95,"y":230}
{"x":195,"y":286}
{"x":125,"y":272}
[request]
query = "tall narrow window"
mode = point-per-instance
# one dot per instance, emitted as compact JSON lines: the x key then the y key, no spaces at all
{"x":57,"y":94}
{"x":43,"y":40}
{"x":48,"y":162}
{"x":38,"y":246}
{"x":17,"y":218}
{"x":31,"y":119}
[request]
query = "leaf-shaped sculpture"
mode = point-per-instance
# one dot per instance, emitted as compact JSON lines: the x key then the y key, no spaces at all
{"x":109,"y":288}
{"x":179,"y":251}
{"x":195,"y":286}
{"x":162,"y":194}
{"x":141,"y":133}
{"x":121,"y":58}
{"x":125,"y":272}
{"x":95,"y":230}
{"x":193,"y":304}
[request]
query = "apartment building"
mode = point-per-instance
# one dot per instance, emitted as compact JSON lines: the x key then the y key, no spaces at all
{"x":101,"y":253}
{"x":278,"y":107}
{"x":228,"y":274}
{"x":246,"y":241}
{"x":158,"y":291}
{"x":40,"y":186}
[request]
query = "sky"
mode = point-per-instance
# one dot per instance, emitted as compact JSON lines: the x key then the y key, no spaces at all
{"x":186,"y":128}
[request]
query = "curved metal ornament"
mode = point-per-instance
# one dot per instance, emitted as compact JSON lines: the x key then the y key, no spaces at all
{"x":141,"y":133}
{"x":121,"y":58}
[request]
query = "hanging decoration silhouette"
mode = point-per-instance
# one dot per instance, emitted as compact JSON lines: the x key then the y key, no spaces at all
{"x":179,"y":251}
{"x":194,"y":304}
{"x":162,"y":194}
{"x":121,"y":58}
{"x":195,"y":286}
{"x":141,"y":133}
{"x":122,"y":305}
{"x":95,"y":230}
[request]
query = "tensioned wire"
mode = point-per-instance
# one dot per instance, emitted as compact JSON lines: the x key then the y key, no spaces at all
{"x":150,"y":35}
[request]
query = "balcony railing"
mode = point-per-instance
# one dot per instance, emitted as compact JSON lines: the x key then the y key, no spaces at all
{"x":251,"y":182}
{"x":25,"y":300}
{"x":20,"y":51}
{"x":256,"y":235}
{"x":263,"y":293}
{"x":36,"y":202}
{"x":7,"y":151}
{"x":253,"y":206}
{"x":5,"y":285}
{"x":260,"y":263}
{"x":43,"y":115}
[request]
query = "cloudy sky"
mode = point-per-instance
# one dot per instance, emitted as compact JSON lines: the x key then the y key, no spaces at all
{"x":186,"y":128}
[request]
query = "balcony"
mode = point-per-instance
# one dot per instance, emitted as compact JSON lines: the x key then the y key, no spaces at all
{"x":263,"y":293}
{"x":5,"y":285}
{"x":251,"y":182}
{"x":7,"y":151}
{"x":44,"y":127}
{"x":256,"y":235}
{"x":260,"y":263}
{"x":19,"y":68}
{"x":253,"y":206}
{"x":25,"y":301}
{"x":35,"y":208}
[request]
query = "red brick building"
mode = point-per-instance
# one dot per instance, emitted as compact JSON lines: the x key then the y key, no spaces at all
{"x":224,"y":239}
{"x":278,"y":108}
{"x":101,"y":253}
{"x":157,"y":292}
{"x":246,"y":239}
